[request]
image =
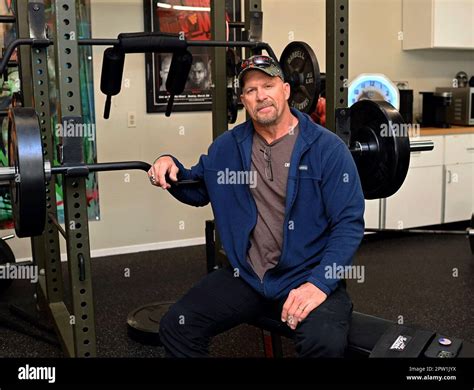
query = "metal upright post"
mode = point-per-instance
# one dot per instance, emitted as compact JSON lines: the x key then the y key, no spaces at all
{"x":337,"y":58}
{"x":35,"y":90}
{"x":253,"y":19}
{"x":74,"y":189}
{"x":253,"y":22}
{"x":24,"y":52}
{"x":219,"y":89}
{"x":219,"y":76}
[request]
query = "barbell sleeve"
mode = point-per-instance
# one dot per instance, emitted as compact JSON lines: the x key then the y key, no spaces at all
{"x":361,"y":148}
{"x":7,"y":174}
{"x":421,"y":146}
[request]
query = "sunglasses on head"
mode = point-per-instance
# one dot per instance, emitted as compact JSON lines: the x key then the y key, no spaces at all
{"x":257,"y":61}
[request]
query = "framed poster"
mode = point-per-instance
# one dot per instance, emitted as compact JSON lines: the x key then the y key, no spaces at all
{"x":193,"y":18}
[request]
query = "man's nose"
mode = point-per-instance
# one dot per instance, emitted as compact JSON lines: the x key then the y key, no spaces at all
{"x":261,"y":95}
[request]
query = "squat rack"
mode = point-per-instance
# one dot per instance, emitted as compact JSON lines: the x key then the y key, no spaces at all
{"x":76,"y":328}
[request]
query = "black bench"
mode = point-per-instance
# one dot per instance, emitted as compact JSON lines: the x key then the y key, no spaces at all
{"x":364,"y":334}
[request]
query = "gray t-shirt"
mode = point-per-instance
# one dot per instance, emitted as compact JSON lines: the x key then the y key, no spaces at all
{"x":271,"y":162}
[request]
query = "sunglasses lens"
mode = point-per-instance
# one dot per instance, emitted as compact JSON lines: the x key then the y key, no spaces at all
{"x":256,"y":61}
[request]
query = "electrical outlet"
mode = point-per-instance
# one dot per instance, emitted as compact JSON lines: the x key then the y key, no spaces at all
{"x":132,"y":119}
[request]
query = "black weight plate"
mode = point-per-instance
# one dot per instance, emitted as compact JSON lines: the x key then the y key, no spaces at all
{"x":383,"y":170}
{"x":143,"y":323}
{"x":301,"y":70}
{"x":6,"y":256}
{"x":27,"y":189}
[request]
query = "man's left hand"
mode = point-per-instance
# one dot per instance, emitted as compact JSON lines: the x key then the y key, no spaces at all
{"x":300,"y":302}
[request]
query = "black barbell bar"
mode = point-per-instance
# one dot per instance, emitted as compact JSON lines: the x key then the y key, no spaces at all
{"x":29,"y":171}
{"x":8,"y":174}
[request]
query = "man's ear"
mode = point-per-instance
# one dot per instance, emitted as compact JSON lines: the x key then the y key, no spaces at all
{"x":287,"y":89}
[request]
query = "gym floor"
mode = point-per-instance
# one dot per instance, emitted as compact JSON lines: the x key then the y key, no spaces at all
{"x":409,"y":276}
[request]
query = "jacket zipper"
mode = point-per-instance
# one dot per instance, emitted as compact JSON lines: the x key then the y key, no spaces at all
{"x":255,"y":223}
{"x":287,"y":216}
{"x":287,"y":213}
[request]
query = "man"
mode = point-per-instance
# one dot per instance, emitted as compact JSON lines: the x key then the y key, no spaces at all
{"x":164,"y":70}
{"x":198,"y":75}
{"x":298,"y":217}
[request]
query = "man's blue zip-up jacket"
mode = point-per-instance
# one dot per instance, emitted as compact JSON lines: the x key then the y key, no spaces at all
{"x":324,"y":222}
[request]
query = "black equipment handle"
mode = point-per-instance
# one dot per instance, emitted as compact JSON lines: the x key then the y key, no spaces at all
{"x":149,"y":42}
{"x":111,"y":76}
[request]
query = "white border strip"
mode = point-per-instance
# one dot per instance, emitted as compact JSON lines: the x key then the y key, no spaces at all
{"x":153,"y":246}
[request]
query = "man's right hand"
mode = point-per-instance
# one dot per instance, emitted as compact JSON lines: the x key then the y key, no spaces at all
{"x":162,"y":167}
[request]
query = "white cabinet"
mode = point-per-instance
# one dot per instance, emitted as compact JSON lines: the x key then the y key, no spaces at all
{"x":443,"y":24}
{"x":459,"y":193}
{"x":458,"y":177}
{"x":419,"y":201}
{"x":371,"y":215}
{"x":439,"y":187}
{"x":459,"y":149}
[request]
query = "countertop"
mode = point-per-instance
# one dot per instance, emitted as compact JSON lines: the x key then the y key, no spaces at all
{"x":440,"y":131}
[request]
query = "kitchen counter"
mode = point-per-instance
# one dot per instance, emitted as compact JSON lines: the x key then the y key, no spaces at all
{"x":452,"y":130}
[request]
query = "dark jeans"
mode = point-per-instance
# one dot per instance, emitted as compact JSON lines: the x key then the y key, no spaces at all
{"x":221,"y":301}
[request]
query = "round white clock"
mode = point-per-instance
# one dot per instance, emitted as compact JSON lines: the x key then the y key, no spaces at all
{"x":373,"y":86}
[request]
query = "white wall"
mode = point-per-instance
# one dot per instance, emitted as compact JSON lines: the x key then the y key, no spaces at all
{"x":135,"y":213}
{"x":374,"y":46}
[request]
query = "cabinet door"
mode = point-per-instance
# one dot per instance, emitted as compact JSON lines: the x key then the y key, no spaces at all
{"x":459,"y":148}
{"x":442,"y":24}
{"x":371,"y":215}
{"x":419,"y":201}
{"x":452,"y":24}
{"x":459,"y":194}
